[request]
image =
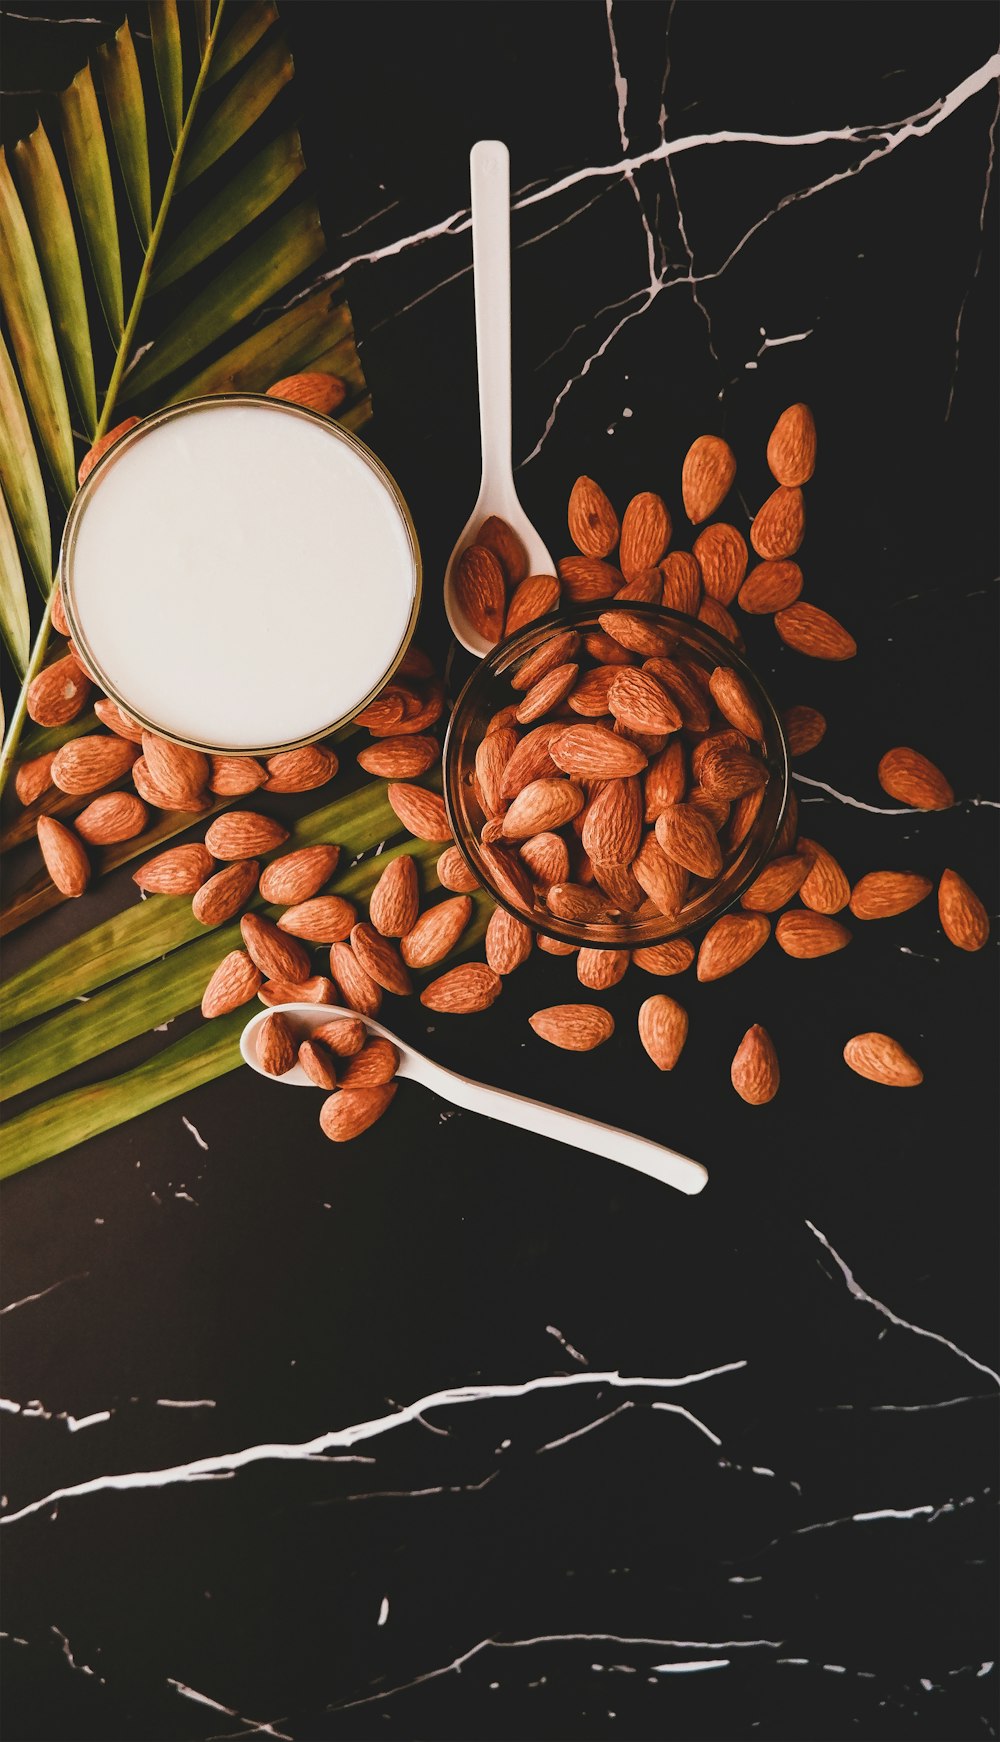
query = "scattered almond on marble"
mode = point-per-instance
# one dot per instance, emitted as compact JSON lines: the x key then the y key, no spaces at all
{"x":964,"y":919}
{"x":754,"y":1072}
{"x":882,"y":1060}
{"x":914,"y":780}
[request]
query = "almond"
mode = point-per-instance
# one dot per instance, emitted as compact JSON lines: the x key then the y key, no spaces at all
{"x":435,"y":934}
{"x":665,"y":780}
{"x":574,"y":1027}
{"x":665,"y":880}
{"x":313,"y":389}
{"x":679,"y":683}
{"x":556,"y":946}
{"x":316,"y":990}
{"x":721,"y":554}
{"x":805,"y":934}
{"x":275,"y":1045}
{"x":117,"y":720}
{"x":645,"y":588}
{"x":730,"y":943}
{"x":380,"y":960}
{"x":535,"y":597}
{"x":349,"y":1112}
{"x":316,"y":1062}
{"x":59,"y":693}
{"x":296,"y":876}
{"x":744,"y":815}
{"x":637,"y":632}
{"x":883,"y":894}
{"x":278,"y":956}
{"x":420,"y":811}
{"x":509,"y":876}
{"x":542,"y":804}
{"x":531,"y":759}
{"x":681,"y":582}
{"x":754,"y":1070}
{"x":784,"y":841}
{"x":733,"y":700}
{"x":224,"y":894}
{"x":178,"y":871}
{"x":394,"y":902}
{"x":400,"y":758}
{"x":590,"y":697}
{"x":234,"y":982}
{"x":706,"y":477}
{"x":964,"y":918}
{"x":301,"y":770}
{"x":383,"y":715}
{"x":115,"y":816}
{"x":503,"y":718}
{"x":882,"y":1060}
{"x":814,"y":632}
{"x":60,"y":621}
{"x":500,"y":538}
{"x":556,"y":650}
{"x":727,"y":738}
{"x":547,"y":859}
{"x":825,"y":887}
{"x":415,"y":664}
{"x":715,"y":809}
{"x":462,"y":991}
{"x":619,"y":884}
{"x":546,"y":694}
{"x":358,"y":990}
{"x":593,"y":523}
{"x":508,"y":942}
{"x":600,"y":969}
{"x":770,"y":587}
{"x":613,"y":825}
{"x":776,"y":884}
{"x":728,"y":772}
{"x":375,"y":1064}
{"x":673,"y":957}
{"x":155,"y":795}
{"x":585,"y":578}
{"x":178,"y":773}
{"x":429,"y":710}
{"x":715,"y":615}
{"x":481,"y":592}
{"x":603,"y":650}
{"x":344,"y":1035}
{"x":452,"y":873}
{"x":88,"y":763}
{"x":65,"y":859}
{"x":804,"y":728}
{"x":663,"y":1029}
{"x":232,"y":776}
{"x":909,"y":777}
{"x":779,"y":526}
{"x":791,"y":446}
{"x":641,"y":703}
{"x":688,"y":838}
{"x":592,"y":752}
{"x":645,"y":534}
{"x":576,"y":902}
{"x":324,"y":919}
{"x":101,"y":447}
{"x":34,"y":777}
{"x":244,"y":835}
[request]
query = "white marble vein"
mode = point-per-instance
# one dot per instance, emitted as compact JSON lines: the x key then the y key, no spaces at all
{"x":252,"y":1724}
{"x":228,"y":1463}
{"x":40,"y":1294}
{"x":854,"y":1287}
{"x":987,"y":185}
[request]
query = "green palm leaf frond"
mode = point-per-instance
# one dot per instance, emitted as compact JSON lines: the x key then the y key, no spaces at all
{"x":172,"y":143}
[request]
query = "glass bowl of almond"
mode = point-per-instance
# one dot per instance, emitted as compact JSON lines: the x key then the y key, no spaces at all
{"x":615,"y":775}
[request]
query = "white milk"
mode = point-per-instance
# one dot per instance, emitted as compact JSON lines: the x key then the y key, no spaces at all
{"x":242,"y":576}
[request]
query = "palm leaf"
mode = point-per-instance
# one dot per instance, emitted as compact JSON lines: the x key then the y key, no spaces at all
{"x":127,"y":108}
{"x":14,"y":624}
{"x":251,"y":192}
{"x":29,"y":322}
{"x":245,"y":32}
{"x":254,"y":92}
{"x":47,"y":211}
{"x":90,"y":173}
{"x":168,"y":59}
{"x":21,"y":476}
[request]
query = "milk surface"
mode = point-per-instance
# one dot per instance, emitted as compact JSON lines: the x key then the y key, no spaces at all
{"x":242,"y":576}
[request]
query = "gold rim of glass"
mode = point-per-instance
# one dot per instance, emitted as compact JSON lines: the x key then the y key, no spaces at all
{"x":108,"y":460}
{"x":479,"y":701}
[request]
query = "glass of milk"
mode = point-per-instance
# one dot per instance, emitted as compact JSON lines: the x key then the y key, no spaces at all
{"x":240,"y":574}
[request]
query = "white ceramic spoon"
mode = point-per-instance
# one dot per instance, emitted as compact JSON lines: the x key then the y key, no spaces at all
{"x":570,"y":1128}
{"x":489,"y":165}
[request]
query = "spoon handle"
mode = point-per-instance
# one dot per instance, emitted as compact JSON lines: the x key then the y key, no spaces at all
{"x":573,"y":1129}
{"x":489,"y":166}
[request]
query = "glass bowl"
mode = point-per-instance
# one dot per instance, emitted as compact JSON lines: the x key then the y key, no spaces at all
{"x":489,"y":690}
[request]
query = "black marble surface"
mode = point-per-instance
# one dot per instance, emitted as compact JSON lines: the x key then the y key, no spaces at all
{"x":459,"y":1434}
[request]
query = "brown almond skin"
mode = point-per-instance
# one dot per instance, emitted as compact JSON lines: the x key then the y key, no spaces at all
{"x":585,"y":578}
{"x":400,"y":758}
{"x":359,"y":991}
{"x":663,"y":1029}
{"x":771,"y":586}
{"x":612,"y":828}
{"x":101,"y":447}
{"x":508,"y":942}
{"x":964,"y":919}
{"x":429,"y":712}
{"x":235,"y":981}
{"x":60,"y":621}
{"x":687,"y":837}
{"x":730,"y":943}
{"x":883,"y":894}
{"x":243,"y":835}
{"x":620,"y":884}
{"x":814,"y":632}
{"x":754,"y":1071}
{"x":508,"y":874}
{"x":278,"y":956}
{"x":178,"y":871}
{"x":275,"y":1045}
{"x":721,"y":554}
{"x":672,"y":957}
{"x":592,"y":752}
{"x":496,"y":535}
{"x":115,"y":816}
{"x":645,"y":588}
{"x":59,"y":693}
{"x":297,"y":876}
{"x":452,"y":873}
{"x":556,"y":650}
{"x":545,"y":695}
{"x":301,"y":770}
{"x":712,"y":612}
{"x":791,"y":446}
{"x":233,"y":776}
{"x":599,"y":969}
{"x":160,"y":797}
{"x":34,"y":777}
{"x":533,"y":598}
{"x":914,"y":780}
{"x":88,"y":763}
{"x":593,"y":523}
{"x":733,"y":700}
{"x":825,"y":888}
{"x":665,"y":780}
{"x":681,"y":582}
{"x":882,"y":1060}
{"x":804,"y":728}
{"x":555,"y":946}
{"x":313,"y":388}
{"x":344,"y":1035}
{"x":316,"y":990}
{"x":375,"y":1064}
{"x":223,"y":895}
{"x":420,"y":811}
{"x":178,"y":772}
{"x":462,"y":991}
{"x":706,"y":477}
{"x":316,"y":1061}
{"x":349,"y":1112}
{"x":481,"y":591}
{"x":436,"y":932}
{"x":639,"y":701}
{"x":780,"y":525}
{"x":574,"y":1027}
{"x":728,"y":772}
{"x":776,"y":884}
{"x":325,"y":919}
{"x":540,"y":806}
{"x":547,"y":858}
{"x":65,"y":859}
{"x":645,"y":533}
{"x":394,"y":902}
{"x":117,"y":720}
{"x":576,"y":902}
{"x":380,"y":960}
{"x":664,"y":879}
{"x":806,"y":935}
